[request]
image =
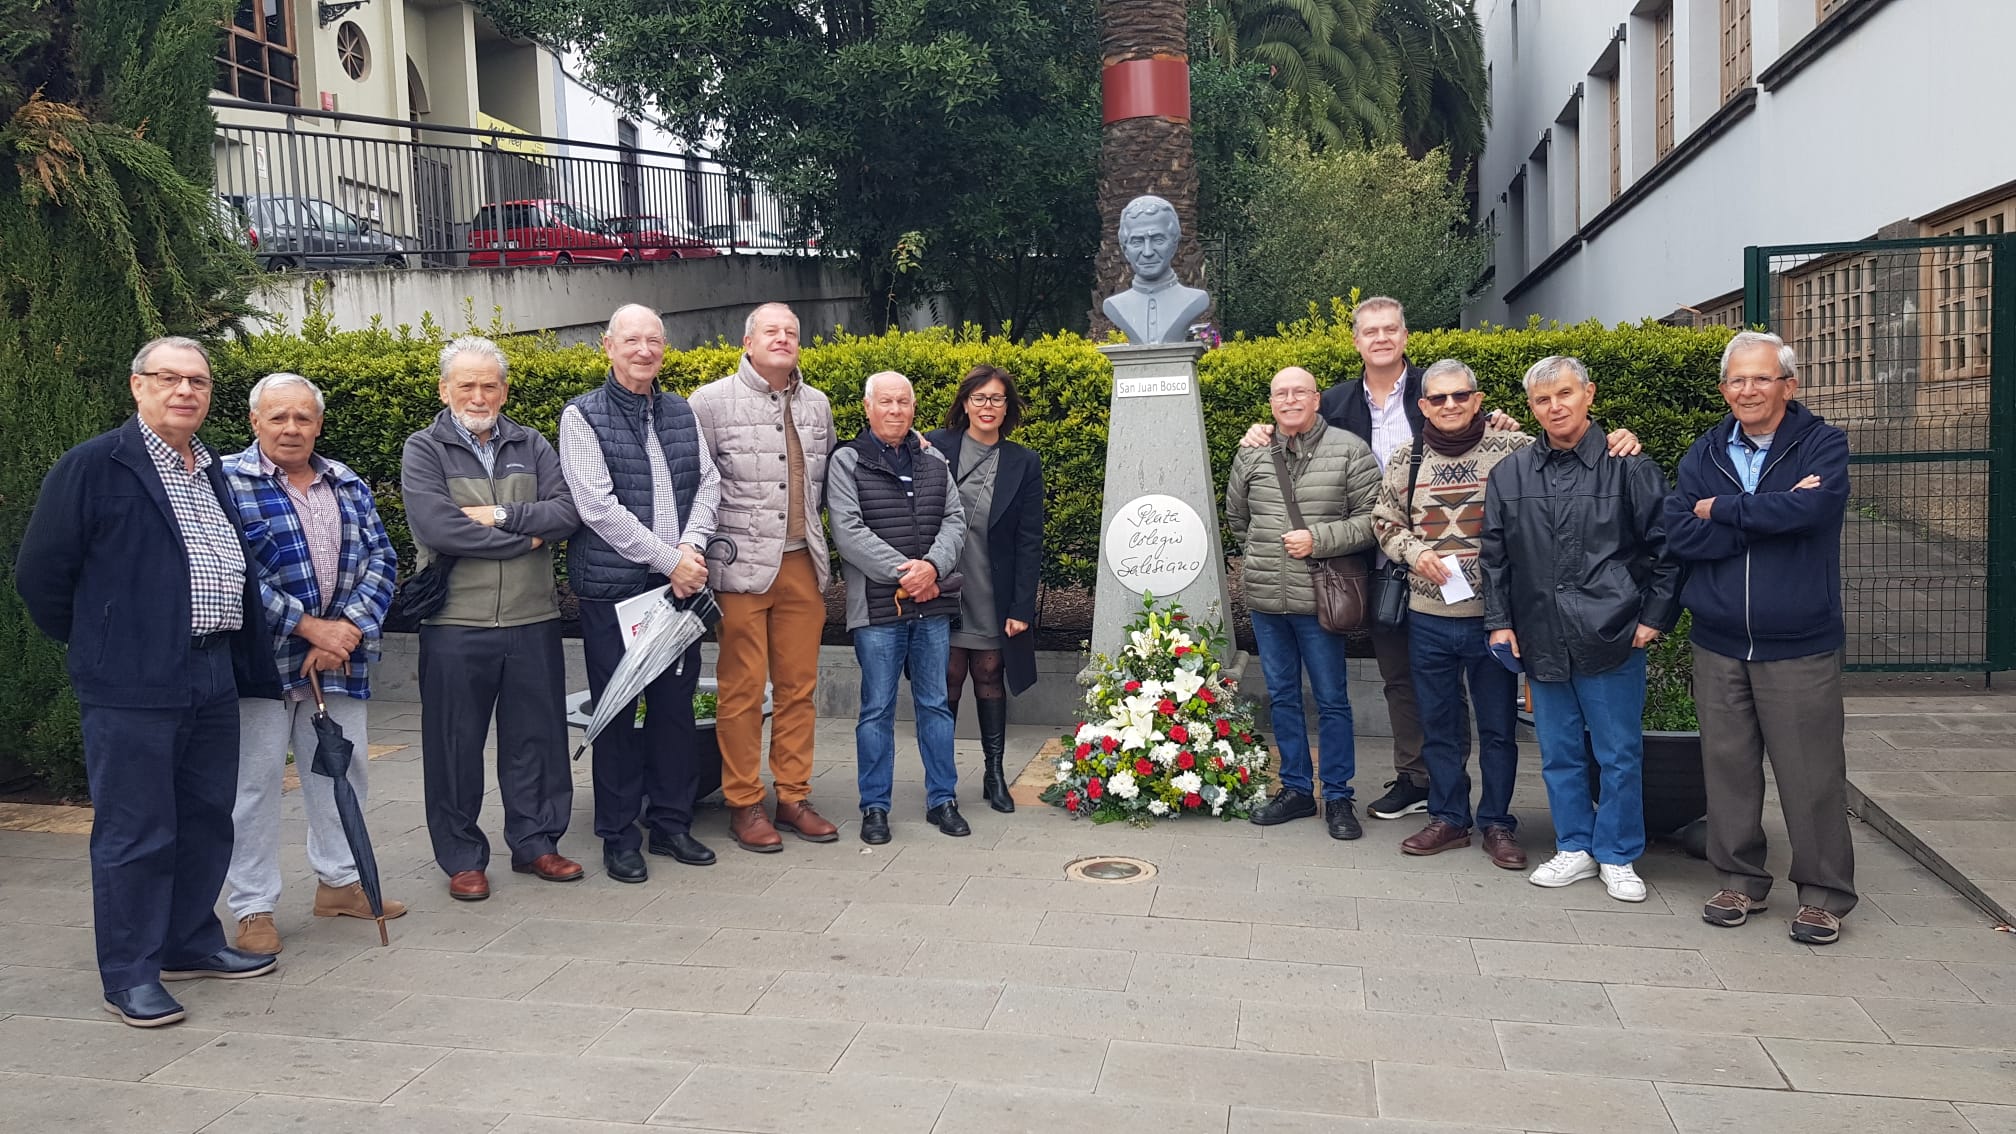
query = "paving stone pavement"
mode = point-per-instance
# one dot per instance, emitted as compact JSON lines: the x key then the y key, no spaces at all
{"x":1266,"y":981}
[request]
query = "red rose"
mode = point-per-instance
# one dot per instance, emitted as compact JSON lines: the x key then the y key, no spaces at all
{"x":1218,"y":762}
{"x":1185,"y":761}
{"x":1083,"y":751}
{"x":1094,"y":789}
{"x":1192,"y":800}
{"x":1181,"y":650}
{"x":1179,"y":734}
{"x":1224,"y":727}
{"x":1108,"y":744}
{"x":1166,"y":707}
{"x":1132,"y":687}
{"x":1207,"y":697}
{"x":1071,"y":801}
{"x":1179,"y":616}
{"x":1245,"y":738}
{"x":1144,"y":767}
{"x":1242,"y":775}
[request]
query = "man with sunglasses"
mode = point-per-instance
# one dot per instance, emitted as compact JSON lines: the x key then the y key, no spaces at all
{"x":1436,"y":523}
{"x":135,"y":557}
{"x":1756,"y":517}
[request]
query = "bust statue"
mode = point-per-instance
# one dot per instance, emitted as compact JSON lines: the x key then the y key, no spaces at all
{"x":1156,"y":308}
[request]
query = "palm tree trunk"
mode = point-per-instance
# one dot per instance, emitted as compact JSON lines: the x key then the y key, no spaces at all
{"x":1149,"y":153}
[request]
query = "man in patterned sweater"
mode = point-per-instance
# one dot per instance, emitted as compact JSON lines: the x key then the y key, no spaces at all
{"x":1439,"y":523}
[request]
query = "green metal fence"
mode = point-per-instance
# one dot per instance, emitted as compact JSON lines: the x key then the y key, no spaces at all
{"x":1910,"y":346}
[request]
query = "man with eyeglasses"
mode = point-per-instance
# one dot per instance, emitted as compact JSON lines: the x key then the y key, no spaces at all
{"x":134,"y":557}
{"x":1757,"y":516}
{"x":646,"y":490}
{"x":1430,"y":513}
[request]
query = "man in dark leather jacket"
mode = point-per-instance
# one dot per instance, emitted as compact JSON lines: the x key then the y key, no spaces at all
{"x":1577,"y":582}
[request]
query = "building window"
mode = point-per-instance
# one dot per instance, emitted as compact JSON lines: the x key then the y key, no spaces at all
{"x":353,"y":50}
{"x":1735,"y":47}
{"x":1834,"y":320}
{"x":1662,"y":82}
{"x":1616,"y":136}
{"x":1962,"y":295}
{"x":258,"y":61}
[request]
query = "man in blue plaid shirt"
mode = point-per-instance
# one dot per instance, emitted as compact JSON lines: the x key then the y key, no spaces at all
{"x":326,"y":572}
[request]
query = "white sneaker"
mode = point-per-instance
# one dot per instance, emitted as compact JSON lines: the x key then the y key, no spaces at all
{"x":1565,"y":868}
{"x":1623,"y":882}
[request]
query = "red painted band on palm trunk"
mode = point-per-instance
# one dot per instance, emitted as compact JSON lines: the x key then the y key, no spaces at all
{"x":1147,"y":88}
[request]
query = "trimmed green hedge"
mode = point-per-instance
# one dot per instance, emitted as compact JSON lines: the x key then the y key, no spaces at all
{"x":380,"y":384}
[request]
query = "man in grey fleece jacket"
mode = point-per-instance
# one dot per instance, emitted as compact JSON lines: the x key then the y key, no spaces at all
{"x":488,"y":492}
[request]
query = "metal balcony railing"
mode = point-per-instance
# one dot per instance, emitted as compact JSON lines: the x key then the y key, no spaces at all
{"x":321,"y":190}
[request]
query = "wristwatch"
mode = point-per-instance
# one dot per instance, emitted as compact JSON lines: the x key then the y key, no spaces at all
{"x":498,"y":515}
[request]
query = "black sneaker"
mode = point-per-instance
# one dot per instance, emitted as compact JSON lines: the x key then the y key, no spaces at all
{"x":1286,"y":804}
{"x":1402,"y":797}
{"x":1342,"y":819}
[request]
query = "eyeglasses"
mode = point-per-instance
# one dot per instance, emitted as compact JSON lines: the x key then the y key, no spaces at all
{"x":1458,"y":396}
{"x":166,"y":380}
{"x":1752,"y":382}
{"x":1292,"y":395}
{"x":988,"y":401}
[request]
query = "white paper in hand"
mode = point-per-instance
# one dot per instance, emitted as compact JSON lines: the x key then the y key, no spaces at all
{"x":630,"y":612}
{"x":1457,"y":589}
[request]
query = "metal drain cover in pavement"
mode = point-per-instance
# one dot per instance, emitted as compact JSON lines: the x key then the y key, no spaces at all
{"x":1110,"y":869}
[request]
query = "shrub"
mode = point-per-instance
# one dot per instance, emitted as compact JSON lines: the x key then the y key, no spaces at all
{"x":1659,"y":381}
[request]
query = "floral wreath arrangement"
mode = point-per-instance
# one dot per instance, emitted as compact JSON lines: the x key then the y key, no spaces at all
{"x":1165,"y":731}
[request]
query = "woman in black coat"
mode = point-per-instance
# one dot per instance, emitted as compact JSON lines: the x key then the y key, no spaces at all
{"x":1001,"y":486}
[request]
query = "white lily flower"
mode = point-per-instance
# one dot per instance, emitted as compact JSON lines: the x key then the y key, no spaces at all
{"x":1184,"y":685}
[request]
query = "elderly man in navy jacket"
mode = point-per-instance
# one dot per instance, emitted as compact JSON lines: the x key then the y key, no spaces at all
{"x":135,"y":558}
{"x":1757,"y":518}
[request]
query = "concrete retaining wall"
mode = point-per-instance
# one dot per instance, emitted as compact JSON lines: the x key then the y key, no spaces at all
{"x":1053,"y":700}
{"x":701,"y":299}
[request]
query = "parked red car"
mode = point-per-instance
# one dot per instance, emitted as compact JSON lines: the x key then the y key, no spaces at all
{"x":654,"y":239}
{"x":542,"y":231}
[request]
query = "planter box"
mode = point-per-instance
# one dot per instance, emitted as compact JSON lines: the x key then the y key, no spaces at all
{"x":708,"y":747}
{"x":1676,"y":789}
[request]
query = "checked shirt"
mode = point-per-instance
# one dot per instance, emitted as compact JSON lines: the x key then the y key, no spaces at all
{"x":216,"y":558}
{"x":282,"y":553}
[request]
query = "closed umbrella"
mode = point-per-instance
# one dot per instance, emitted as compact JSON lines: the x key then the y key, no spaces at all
{"x":668,"y":629}
{"x":333,"y":753}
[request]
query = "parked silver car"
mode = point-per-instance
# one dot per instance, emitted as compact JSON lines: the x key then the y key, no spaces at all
{"x":308,"y":232}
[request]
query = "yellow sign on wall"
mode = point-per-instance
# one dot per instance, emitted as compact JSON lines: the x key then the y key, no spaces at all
{"x":524,"y":144}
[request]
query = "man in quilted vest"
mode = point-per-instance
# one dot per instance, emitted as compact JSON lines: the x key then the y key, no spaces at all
{"x":898,"y":524}
{"x":646,"y":489}
{"x":769,"y":433}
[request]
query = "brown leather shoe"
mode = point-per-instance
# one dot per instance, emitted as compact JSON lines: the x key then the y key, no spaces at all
{"x":751,"y":830}
{"x":349,"y":901}
{"x":1503,"y":847}
{"x":799,"y":819}
{"x":256,"y":934}
{"x":1435,"y":838}
{"x":469,"y":886}
{"x":552,"y":867}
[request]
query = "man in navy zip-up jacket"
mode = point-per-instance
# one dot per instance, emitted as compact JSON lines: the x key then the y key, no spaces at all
{"x":1757,"y":518}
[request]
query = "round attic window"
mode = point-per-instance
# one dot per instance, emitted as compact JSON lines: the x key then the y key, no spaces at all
{"x":353,"y":50}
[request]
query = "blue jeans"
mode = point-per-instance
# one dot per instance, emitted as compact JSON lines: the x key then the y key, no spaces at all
{"x":922,"y":645}
{"x":1442,"y":652}
{"x":1288,"y":643}
{"x":1610,"y":709}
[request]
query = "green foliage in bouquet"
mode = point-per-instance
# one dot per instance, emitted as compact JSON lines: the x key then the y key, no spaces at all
{"x":1165,"y":731}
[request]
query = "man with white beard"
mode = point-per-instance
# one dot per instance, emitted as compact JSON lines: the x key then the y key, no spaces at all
{"x":486,"y":494}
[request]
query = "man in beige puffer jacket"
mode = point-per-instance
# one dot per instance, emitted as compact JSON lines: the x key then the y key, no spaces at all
{"x":1336,"y":482}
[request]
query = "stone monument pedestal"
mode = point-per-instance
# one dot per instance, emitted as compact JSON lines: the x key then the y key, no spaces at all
{"x":1159,"y":524}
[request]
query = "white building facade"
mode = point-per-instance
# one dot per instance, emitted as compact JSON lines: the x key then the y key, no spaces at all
{"x":1637,"y":146}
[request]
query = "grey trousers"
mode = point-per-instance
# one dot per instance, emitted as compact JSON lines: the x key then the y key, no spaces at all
{"x":1391,"y":647}
{"x":267,"y":730}
{"x":1791,"y":711}
{"x":468,"y":673}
